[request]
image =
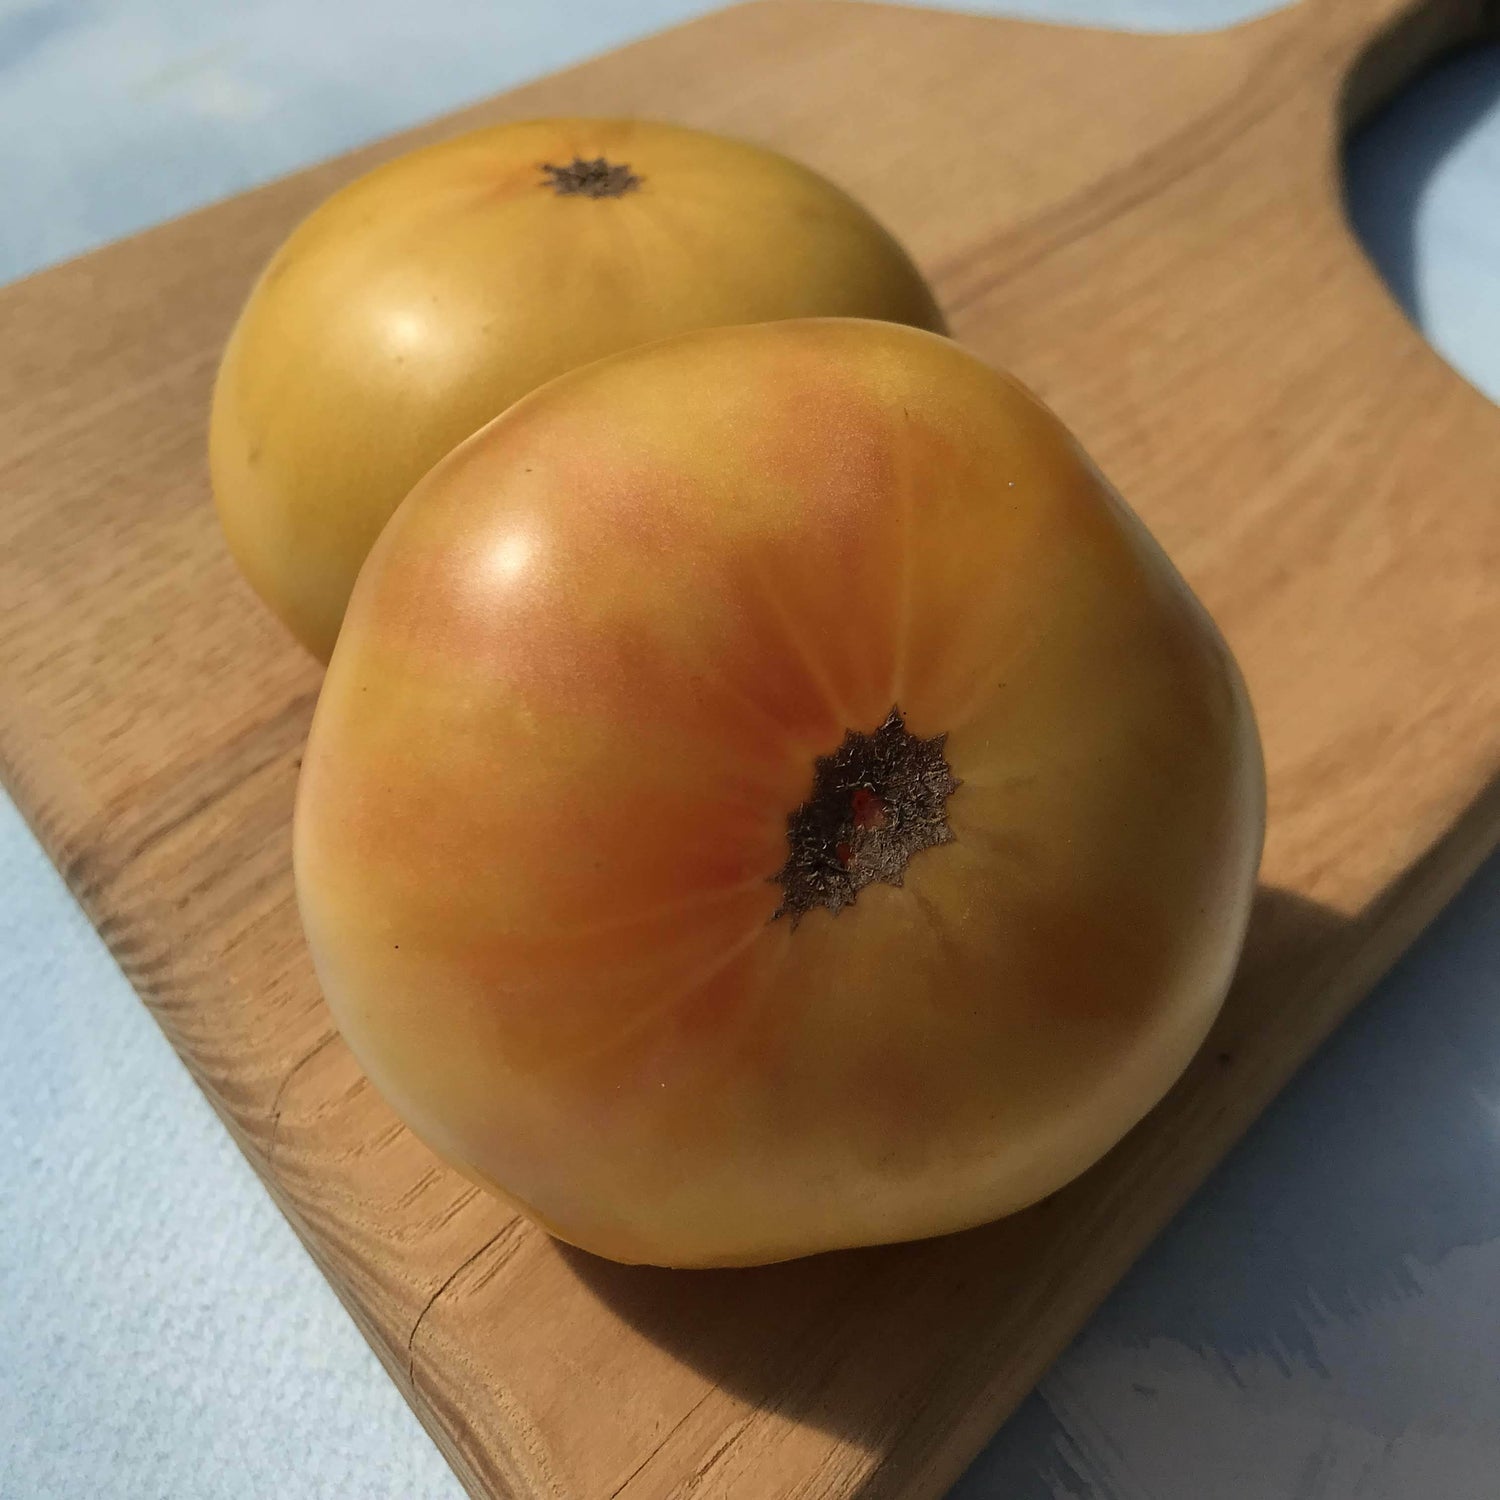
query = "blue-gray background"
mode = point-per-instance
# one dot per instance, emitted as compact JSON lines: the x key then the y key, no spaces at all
{"x":1323,"y":1323}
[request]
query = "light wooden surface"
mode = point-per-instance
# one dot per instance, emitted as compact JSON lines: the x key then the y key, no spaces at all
{"x":1148,"y":230}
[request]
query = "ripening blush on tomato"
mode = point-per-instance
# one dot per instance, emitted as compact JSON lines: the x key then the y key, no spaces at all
{"x":770,"y":794}
{"x":426,"y":297}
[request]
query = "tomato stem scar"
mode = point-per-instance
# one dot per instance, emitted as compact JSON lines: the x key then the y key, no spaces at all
{"x":876,"y":801}
{"x":598,"y":178}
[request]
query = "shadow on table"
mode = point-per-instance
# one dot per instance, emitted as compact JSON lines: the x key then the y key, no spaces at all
{"x":1380,"y":1161}
{"x":863,"y":1343}
{"x":1390,"y":161}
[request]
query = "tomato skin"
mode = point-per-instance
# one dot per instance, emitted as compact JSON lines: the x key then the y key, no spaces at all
{"x":582,"y":685}
{"x":424,"y":298}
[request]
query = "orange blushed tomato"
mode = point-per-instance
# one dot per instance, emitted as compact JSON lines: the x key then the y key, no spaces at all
{"x":770,"y":794}
{"x":424,"y":298}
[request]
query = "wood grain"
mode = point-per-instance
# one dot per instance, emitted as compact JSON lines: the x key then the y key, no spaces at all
{"x":1149,"y":230}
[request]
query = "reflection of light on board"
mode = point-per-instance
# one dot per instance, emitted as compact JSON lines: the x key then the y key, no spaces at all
{"x":510,"y":555}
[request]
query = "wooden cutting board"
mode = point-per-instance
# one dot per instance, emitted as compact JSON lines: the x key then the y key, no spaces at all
{"x":1149,"y":230}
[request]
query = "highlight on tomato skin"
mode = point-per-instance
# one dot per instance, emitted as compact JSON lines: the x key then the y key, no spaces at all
{"x":422,"y":299}
{"x":771,"y":795}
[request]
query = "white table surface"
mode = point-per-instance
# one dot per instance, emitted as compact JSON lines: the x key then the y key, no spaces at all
{"x":1323,"y":1322}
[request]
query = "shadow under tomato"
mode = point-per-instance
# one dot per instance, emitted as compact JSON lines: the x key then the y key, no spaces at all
{"x":884,"y":1345}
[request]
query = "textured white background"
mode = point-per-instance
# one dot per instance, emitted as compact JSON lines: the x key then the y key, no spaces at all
{"x":1323,"y":1323}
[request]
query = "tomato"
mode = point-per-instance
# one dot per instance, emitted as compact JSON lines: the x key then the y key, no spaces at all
{"x":426,"y":297}
{"x":771,"y":794}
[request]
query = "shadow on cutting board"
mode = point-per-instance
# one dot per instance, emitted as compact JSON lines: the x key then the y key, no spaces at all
{"x":807,"y":1339}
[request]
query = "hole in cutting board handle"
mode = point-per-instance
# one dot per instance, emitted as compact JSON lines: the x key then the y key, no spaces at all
{"x":1419,"y":187}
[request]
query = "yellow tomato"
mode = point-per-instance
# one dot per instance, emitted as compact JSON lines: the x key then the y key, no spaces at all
{"x":771,"y":794}
{"x":426,"y":297}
